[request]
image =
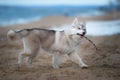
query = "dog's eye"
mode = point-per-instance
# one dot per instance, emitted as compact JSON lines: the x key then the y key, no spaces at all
{"x":82,"y":26}
{"x":84,"y":29}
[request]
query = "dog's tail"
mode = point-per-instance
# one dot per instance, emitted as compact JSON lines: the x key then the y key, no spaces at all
{"x":11,"y":35}
{"x":16,"y":34}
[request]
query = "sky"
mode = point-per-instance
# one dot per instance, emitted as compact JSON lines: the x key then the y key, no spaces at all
{"x":53,"y":2}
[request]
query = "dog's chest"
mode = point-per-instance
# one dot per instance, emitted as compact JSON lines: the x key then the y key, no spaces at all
{"x":64,"y":44}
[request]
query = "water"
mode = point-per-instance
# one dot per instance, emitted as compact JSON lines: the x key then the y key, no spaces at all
{"x":101,"y":28}
{"x":10,"y":15}
{"x":98,"y":28}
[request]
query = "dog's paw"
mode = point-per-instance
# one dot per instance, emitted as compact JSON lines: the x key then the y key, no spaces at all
{"x":84,"y":66}
{"x":55,"y":67}
{"x":29,"y":66}
{"x":19,"y":65}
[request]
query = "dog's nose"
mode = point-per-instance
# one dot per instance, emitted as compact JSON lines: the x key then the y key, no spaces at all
{"x":84,"y":33}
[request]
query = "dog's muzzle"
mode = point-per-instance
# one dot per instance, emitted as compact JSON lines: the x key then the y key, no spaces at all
{"x":81,"y":34}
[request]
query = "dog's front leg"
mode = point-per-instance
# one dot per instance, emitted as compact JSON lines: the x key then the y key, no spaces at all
{"x":83,"y":65}
{"x":81,"y":62}
{"x":77,"y":59}
{"x":55,"y":60}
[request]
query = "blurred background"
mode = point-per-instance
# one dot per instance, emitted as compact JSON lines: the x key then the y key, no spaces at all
{"x":102,"y":19}
{"x":22,"y":11}
{"x":15,"y":12}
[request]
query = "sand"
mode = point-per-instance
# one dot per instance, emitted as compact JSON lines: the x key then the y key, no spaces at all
{"x":104,"y":64}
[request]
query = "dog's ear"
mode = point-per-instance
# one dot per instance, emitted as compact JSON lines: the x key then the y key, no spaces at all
{"x":75,"y":22}
{"x":84,"y":23}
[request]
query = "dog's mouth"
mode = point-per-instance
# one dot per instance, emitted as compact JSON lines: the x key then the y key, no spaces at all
{"x":81,"y":35}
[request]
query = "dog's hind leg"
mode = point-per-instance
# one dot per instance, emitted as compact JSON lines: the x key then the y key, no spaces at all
{"x":55,"y":60}
{"x":20,"y":59}
{"x":30,"y":58}
{"x":76,"y":58}
{"x":29,"y":62}
{"x":31,"y":46}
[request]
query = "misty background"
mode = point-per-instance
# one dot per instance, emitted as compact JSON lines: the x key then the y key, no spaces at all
{"x":14,"y":12}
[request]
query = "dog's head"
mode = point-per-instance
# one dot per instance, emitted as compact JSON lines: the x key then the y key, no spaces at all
{"x":78,"y":28}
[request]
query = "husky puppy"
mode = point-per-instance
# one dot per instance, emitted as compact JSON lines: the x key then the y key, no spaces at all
{"x":57,"y":43}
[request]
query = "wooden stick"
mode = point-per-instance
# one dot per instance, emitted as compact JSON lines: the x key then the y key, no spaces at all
{"x":91,"y":42}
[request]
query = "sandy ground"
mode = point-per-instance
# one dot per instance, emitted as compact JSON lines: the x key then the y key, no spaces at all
{"x":104,"y":64}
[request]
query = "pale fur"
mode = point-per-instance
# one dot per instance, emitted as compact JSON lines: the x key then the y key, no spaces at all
{"x":56,"y":43}
{"x":11,"y":34}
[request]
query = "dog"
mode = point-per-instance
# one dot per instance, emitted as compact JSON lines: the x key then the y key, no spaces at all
{"x":57,"y":43}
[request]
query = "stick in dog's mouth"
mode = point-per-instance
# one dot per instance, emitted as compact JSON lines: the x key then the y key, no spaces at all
{"x":90,"y":42}
{"x":81,"y":35}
